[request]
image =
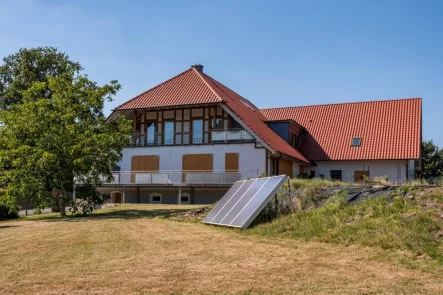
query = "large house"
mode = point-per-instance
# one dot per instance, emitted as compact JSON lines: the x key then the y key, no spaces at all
{"x":193,"y":137}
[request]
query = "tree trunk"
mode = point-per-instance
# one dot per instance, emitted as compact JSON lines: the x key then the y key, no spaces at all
{"x":62,"y":205}
{"x":60,"y":199}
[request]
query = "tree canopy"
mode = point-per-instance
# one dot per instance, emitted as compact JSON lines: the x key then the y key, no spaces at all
{"x":54,"y":132}
{"x":20,"y":70}
{"x":432,"y":157}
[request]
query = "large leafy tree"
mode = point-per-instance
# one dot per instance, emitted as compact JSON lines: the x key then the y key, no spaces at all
{"x":50,"y":141}
{"x":20,"y":70}
{"x":432,"y":157}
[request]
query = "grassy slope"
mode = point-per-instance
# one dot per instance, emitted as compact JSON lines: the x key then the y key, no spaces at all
{"x":132,"y":249}
{"x":410,"y":223}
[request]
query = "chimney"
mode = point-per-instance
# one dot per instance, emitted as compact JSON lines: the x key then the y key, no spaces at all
{"x":198,"y":67}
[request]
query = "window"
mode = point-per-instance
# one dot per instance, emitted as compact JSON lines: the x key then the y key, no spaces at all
{"x":218,"y":124}
{"x":356,"y":141}
{"x":185,"y":198}
{"x":169,"y":132}
{"x":247,"y":104}
{"x":151,"y":133}
{"x":197,"y":131}
{"x":235,"y":124}
{"x":335,"y":174}
{"x":155,"y":198}
{"x":312,"y":173}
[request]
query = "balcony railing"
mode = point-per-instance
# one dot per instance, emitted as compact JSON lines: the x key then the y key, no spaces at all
{"x":192,"y":138}
{"x":174,"y":178}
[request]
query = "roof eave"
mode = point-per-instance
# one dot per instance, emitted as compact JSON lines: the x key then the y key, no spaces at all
{"x":170,"y":107}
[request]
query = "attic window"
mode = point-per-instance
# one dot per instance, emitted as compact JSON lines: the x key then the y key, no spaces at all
{"x":356,"y":141}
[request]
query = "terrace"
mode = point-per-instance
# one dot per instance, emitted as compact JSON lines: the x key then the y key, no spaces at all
{"x":174,"y":178}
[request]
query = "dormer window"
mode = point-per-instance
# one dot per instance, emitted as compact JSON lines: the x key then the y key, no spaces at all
{"x":356,"y":141}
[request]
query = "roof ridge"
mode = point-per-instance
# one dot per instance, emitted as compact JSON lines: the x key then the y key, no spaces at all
{"x":343,"y":103}
{"x":242,"y":97}
{"x":207,"y":84}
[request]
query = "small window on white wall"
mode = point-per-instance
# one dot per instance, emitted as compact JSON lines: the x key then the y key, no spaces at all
{"x":185,"y":198}
{"x":155,"y":198}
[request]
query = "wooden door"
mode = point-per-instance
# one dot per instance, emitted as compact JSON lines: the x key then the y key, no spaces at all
{"x":360,"y":176}
{"x":285,"y":167}
{"x":231,"y":162}
{"x":117,"y":197}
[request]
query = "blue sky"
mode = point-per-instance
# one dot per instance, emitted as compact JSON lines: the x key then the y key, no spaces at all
{"x":275,"y":53}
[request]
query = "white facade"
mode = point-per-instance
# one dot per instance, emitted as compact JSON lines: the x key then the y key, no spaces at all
{"x":392,"y":170}
{"x":252,"y":160}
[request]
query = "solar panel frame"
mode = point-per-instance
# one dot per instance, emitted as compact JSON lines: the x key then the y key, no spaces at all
{"x":244,"y":200}
{"x":261,"y":205}
{"x":238,"y":198}
{"x":221,"y":204}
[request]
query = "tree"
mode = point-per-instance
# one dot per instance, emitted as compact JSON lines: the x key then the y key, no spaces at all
{"x":432,"y":158}
{"x":51,"y":141}
{"x":20,"y":70}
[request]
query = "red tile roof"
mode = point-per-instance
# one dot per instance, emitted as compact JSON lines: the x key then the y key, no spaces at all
{"x":253,"y":118}
{"x":389,"y":129}
{"x":186,"y":88}
{"x":194,"y":87}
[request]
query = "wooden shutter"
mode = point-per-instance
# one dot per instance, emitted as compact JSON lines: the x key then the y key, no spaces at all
{"x":231,"y":162}
{"x":145,"y":163}
{"x":197,"y":162}
{"x":285,"y":167}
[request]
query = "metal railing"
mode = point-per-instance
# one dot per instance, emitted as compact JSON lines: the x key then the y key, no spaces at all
{"x":174,"y":178}
{"x":195,"y":137}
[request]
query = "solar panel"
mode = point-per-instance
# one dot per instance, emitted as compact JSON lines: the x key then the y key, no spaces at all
{"x":244,"y":201}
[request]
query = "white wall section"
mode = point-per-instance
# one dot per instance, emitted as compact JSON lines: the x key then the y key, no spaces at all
{"x":251,"y":159}
{"x":393,"y":170}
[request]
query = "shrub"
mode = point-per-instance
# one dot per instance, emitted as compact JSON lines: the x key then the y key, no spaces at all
{"x":87,"y":199}
{"x":8,"y":210}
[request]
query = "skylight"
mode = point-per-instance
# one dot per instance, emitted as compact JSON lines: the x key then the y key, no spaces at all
{"x":356,"y":141}
{"x":246,"y":104}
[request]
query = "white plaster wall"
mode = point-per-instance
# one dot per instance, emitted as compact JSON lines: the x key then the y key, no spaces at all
{"x":394,"y":170}
{"x":295,"y":169}
{"x":251,"y":160}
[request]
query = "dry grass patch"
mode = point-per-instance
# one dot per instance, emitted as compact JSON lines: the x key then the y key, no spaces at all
{"x":131,"y":249}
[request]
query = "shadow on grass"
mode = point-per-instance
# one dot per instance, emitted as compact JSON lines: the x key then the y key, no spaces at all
{"x":7,"y":226}
{"x":121,"y":213}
